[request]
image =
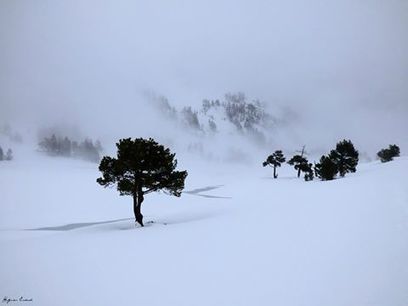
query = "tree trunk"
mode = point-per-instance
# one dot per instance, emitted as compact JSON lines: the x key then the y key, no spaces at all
{"x":299,"y":172}
{"x":137,"y":205}
{"x":274,"y":172}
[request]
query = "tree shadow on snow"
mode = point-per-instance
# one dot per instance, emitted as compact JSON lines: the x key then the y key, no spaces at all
{"x":73,"y":226}
{"x":198,"y":192}
{"x":119,"y":224}
{"x":176,"y":220}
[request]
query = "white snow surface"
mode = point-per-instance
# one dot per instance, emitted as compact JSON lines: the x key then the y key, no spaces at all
{"x":245,"y":239}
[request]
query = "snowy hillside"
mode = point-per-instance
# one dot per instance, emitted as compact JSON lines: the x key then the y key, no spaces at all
{"x":234,"y":117}
{"x":242,"y":129}
{"x":235,"y":237}
{"x":234,"y":113}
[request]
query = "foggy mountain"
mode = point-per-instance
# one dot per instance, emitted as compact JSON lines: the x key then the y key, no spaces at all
{"x":339,"y":67}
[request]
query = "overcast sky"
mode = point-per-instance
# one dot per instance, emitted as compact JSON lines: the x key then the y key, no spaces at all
{"x":84,"y":61}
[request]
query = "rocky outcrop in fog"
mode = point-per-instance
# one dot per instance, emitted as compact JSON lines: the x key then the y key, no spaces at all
{"x":234,"y":114}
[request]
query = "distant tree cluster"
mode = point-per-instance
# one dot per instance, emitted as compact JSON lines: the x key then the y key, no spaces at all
{"x":341,"y":160}
{"x":247,"y":116}
{"x":386,"y":155}
{"x":208,"y":104}
{"x":241,"y":113}
{"x":190,"y":118}
{"x":244,"y":115}
{"x":6,"y":156}
{"x":63,"y":146}
{"x":162,"y":103}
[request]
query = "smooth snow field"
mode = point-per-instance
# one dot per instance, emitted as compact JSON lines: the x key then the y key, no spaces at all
{"x":235,"y":237}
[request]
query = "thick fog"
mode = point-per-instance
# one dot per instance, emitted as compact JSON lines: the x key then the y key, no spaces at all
{"x":339,"y":67}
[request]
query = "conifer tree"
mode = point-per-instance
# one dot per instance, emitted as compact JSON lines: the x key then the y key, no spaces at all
{"x":308,"y":170}
{"x":299,"y":162}
{"x":387,"y":155}
{"x":345,"y":156}
{"x":142,"y":166}
{"x":1,"y":154}
{"x":326,"y":169}
{"x":275,"y":160}
{"x":395,"y":150}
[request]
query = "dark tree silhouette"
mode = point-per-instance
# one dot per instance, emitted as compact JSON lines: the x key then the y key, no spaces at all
{"x":142,"y":166}
{"x":387,"y":155}
{"x":299,"y":162}
{"x":345,"y":156}
{"x":308,"y":170}
{"x":326,"y":169}
{"x":1,"y":154}
{"x":275,"y":160}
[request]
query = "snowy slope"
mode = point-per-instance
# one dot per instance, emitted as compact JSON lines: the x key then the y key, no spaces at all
{"x":243,"y":239}
{"x":236,"y":125}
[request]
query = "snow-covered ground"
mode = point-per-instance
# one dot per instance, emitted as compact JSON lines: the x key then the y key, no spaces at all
{"x":236,"y":237}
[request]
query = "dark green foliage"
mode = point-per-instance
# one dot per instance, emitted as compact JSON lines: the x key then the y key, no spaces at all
{"x":395,"y":150}
{"x":275,"y":160}
{"x":387,"y":155}
{"x":345,"y":156}
{"x":299,"y":162}
{"x":326,"y":169}
{"x":308,"y":170}
{"x":142,"y":166}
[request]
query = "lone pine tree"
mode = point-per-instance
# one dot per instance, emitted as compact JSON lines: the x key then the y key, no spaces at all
{"x":275,"y":160}
{"x":299,"y":162}
{"x":345,"y":156}
{"x":387,"y":155}
{"x":142,"y":166}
